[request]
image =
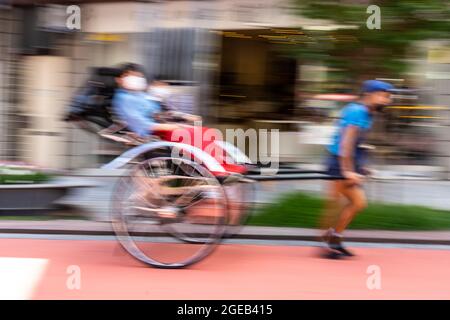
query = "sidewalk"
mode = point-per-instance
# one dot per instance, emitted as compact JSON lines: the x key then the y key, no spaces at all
{"x":84,"y":227}
{"x":430,"y":193}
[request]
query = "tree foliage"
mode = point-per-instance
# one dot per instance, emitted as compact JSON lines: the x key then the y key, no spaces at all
{"x":362,"y":51}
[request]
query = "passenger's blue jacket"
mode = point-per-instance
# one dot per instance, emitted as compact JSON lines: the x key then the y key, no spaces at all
{"x":136,"y":109}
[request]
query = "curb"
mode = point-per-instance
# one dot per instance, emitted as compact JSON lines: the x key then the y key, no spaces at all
{"x":243,"y":235}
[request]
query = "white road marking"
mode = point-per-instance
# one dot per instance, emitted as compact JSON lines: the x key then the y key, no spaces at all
{"x":19,"y":277}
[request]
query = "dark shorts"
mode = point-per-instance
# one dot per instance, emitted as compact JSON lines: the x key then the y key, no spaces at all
{"x":333,"y":166}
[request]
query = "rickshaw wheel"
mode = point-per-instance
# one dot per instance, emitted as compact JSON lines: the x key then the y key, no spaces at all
{"x":163,"y":204}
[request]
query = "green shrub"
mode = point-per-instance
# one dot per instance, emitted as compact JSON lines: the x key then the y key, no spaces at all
{"x":303,"y":210}
{"x":15,"y":175}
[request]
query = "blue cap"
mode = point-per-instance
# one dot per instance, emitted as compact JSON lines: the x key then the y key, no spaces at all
{"x":376,"y":85}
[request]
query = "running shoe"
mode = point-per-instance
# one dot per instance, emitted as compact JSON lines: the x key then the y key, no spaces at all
{"x":335,"y":243}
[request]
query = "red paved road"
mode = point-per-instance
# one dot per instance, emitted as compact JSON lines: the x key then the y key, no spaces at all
{"x":235,"y":272}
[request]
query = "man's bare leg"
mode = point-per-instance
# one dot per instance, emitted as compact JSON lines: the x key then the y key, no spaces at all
{"x":333,"y":206}
{"x":357,"y":203}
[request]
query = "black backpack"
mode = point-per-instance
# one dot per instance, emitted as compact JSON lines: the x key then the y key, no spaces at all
{"x":92,"y":102}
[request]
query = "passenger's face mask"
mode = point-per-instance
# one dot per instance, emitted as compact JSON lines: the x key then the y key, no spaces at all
{"x":134,"y":83}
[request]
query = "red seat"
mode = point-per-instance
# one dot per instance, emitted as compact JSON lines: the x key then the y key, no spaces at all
{"x":203,"y":138}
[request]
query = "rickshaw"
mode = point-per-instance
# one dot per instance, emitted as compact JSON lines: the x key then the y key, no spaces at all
{"x":178,"y":192}
{"x":174,"y":201}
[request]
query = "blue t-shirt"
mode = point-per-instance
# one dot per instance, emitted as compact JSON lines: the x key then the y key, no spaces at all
{"x":355,"y":114}
{"x":136,"y":109}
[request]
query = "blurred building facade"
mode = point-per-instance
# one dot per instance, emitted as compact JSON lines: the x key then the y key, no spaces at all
{"x":189,"y":42}
{"x":222,"y":52}
{"x":9,"y":121}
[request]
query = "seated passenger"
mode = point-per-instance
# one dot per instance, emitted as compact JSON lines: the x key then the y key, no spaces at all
{"x":132,"y":104}
{"x":160,"y":92}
